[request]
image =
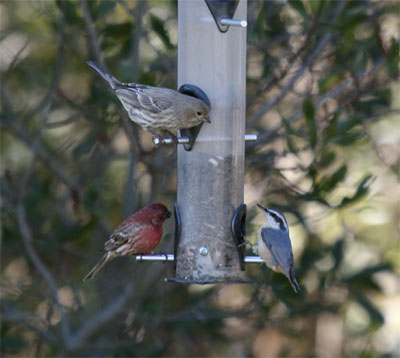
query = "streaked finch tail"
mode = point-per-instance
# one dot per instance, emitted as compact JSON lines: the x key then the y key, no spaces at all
{"x":104,"y":74}
{"x":108,"y":256}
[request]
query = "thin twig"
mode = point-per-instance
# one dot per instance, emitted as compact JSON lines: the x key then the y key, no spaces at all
{"x":35,"y":146}
{"x":334,"y":92}
{"x":55,"y":79}
{"x":27,"y":238}
{"x":43,"y":154}
{"x":101,"y":318}
{"x":266,"y":107}
{"x":64,"y":122}
{"x":24,"y":318}
{"x":93,"y":38}
{"x":136,"y":37}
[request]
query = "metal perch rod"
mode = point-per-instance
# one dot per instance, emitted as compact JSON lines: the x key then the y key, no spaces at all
{"x":170,"y":257}
{"x":183,"y":140}
{"x":233,"y":22}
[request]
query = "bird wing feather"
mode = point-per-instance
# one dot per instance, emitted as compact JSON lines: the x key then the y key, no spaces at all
{"x":280,"y":247}
{"x":122,"y":235}
{"x":145,"y":97}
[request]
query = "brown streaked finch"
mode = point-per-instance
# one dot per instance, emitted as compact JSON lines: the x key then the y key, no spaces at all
{"x":138,"y":234}
{"x":155,"y":108}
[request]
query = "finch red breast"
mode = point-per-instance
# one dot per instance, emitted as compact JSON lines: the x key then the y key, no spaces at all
{"x":138,"y":234}
{"x":155,"y":108}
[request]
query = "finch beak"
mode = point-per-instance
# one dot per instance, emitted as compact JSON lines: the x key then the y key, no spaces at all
{"x":206,"y":119}
{"x":167,"y":214}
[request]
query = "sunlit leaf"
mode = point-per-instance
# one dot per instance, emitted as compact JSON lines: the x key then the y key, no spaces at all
{"x":70,"y":11}
{"x":371,"y":309}
{"x":337,"y":251}
{"x":361,"y":191}
{"x":299,"y":7}
{"x":328,"y":183}
{"x":158,"y":26}
{"x":394,"y":57}
{"x":120,"y":30}
{"x":327,"y":158}
{"x":85,"y":146}
{"x":350,"y":138}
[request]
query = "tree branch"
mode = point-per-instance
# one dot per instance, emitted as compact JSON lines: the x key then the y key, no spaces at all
{"x":27,"y":238}
{"x":93,"y":38}
{"x":102,"y":318}
{"x":334,"y":92}
{"x":46,"y":101}
{"x":298,"y":74}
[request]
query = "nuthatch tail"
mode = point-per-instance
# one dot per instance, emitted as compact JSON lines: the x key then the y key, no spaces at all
{"x":274,"y":245}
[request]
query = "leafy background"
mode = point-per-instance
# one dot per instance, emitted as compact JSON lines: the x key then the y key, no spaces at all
{"x":322,"y":95}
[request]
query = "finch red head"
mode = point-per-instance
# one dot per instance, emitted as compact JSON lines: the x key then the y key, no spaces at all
{"x":138,"y":234}
{"x":155,"y":108}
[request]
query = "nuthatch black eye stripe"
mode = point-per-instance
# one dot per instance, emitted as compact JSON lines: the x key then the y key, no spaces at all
{"x":278,"y":219}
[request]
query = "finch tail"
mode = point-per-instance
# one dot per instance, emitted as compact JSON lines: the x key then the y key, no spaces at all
{"x":104,"y":74}
{"x":93,"y":272}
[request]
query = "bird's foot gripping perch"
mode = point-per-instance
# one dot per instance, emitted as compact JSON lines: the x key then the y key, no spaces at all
{"x":247,"y":242}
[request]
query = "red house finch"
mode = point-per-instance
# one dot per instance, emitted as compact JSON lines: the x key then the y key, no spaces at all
{"x":274,"y":245}
{"x":156,"y":108}
{"x":138,"y":234}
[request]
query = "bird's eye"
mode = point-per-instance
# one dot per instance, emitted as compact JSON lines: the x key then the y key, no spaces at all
{"x":199,"y":113}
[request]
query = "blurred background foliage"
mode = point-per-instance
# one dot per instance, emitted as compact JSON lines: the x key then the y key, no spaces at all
{"x":323,"y":97}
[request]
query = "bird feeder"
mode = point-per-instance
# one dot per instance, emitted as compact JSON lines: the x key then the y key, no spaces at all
{"x":209,"y":213}
{"x":210,"y":175}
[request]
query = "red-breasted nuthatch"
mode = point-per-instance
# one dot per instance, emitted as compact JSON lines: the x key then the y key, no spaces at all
{"x":274,"y":245}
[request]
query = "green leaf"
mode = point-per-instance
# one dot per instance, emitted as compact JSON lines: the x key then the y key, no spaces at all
{"x":371,"y":309}
{"x":85,"y":145}
{"x":69,"y":9}
{"x":393,"y":58}
{"x":350,"y":138}
{"x":337,"y":251}
{"x":100,"y":8}
{"x":289,"y":129}
{"x":368,"y":272}
{"x":379,"y":99}
{"x":292,"y":148}
{"x":158,"y":26}
{"x":308,"y":110}
{"x":347,"y":125}
{"x":299,"y":7}
{"x":327,"y":158}
{"x":261,"y":22}
{"x":361,"y":191}
{"x":328,"y":82}
{"x":121,"y":30}
{"x":331,"y":130}
{"x":105,"y":7}
{"x":328,"y":183}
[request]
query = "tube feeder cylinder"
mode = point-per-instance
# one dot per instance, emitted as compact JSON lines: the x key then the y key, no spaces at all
{"x":211,"y":175}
